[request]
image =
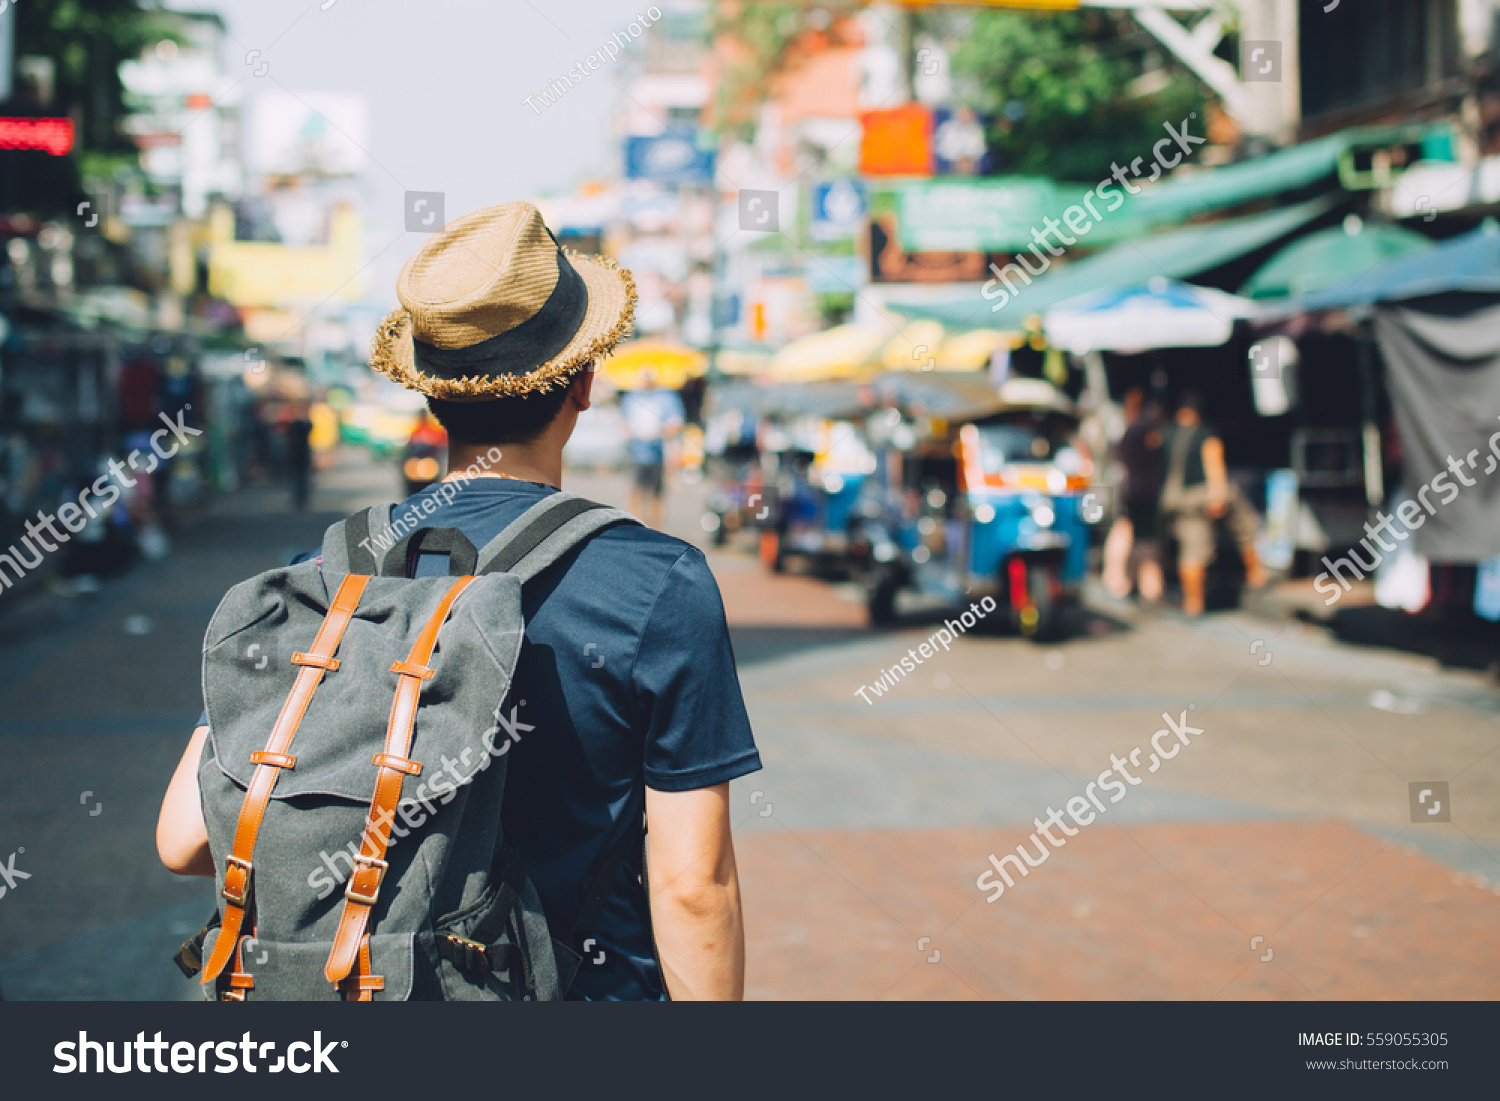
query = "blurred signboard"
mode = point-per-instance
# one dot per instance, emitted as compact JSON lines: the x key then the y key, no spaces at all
{"x":838,"y":206}
{"x":836,"y":274}
{"x":985,"y":215}
{"x":308,"y":133}
{"x":896,"y":141}
{"x":671,"y":158}
{"x":959,"y":147}
{"x":50,"y":135}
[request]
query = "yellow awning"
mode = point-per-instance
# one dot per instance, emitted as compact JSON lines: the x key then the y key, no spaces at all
{"x":673,"y":364}
{"x":914,"y":347}
{"x":971,"y":351}
{"x":924,"y":346}
{"x":841,"y":353}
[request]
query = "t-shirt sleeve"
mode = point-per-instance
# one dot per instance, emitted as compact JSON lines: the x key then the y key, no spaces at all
{"x":697,"y":731}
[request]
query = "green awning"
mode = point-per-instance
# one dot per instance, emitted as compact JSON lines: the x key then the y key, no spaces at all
{"x":1176,"y":254}
{"x":998,"y":214}
{"x":1196,"y":192}
{"x":1331,"y":256}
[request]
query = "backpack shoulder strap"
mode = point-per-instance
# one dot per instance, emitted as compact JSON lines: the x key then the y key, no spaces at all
{"x":358,"y":543}
{"x":545,"y":532}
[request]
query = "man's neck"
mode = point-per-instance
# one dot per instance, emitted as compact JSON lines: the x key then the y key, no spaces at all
{"x":518,"y":462}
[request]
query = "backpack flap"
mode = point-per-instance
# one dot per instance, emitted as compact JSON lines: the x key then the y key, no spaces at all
{"x":248,"y":673}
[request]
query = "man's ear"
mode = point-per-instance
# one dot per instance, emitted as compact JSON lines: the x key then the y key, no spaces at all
{"x":581,"y":388}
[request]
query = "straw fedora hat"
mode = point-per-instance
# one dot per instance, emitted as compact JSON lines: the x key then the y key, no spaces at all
{"x":493,"y":307}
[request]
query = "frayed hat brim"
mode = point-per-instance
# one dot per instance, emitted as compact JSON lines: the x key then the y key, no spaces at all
{"x":610,"y":318}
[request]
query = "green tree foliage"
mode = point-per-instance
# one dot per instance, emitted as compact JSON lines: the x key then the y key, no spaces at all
{"x":87,"y":40}
{"x":1059,"y":86}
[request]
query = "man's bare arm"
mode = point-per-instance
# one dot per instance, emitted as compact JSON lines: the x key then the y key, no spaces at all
{"x":181,"y":837}
{"x":1217,"y":476}
{"x":695,"y":894}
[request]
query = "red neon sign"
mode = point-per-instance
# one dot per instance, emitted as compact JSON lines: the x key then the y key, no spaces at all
{"x":50,"y":135}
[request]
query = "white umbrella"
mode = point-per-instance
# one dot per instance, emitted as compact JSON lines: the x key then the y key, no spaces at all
{"x":1161,"y":314}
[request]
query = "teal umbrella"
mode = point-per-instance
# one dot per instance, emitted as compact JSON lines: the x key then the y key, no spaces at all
{"x":1331,"y":256}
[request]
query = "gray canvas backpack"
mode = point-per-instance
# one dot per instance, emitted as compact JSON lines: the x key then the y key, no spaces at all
{"x":354,"y":773}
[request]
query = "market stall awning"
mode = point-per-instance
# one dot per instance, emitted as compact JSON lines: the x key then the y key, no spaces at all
{"x":998,"y":213}
{"x":672,"y":365}
{"x":1469,"y":264}
{"x":1332,"y":256}
{"x":842,"y":352}
{"x":1176,"y":254}
{"x":1187,"y":195}
{"x":1161,"y":314}
{"x":926,"y":345}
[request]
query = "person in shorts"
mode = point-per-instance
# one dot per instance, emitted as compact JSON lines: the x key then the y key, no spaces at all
{"x":1197,"y":493}
{"x":652,"y":416}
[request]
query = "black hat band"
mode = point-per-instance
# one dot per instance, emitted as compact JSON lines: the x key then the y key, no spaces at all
{"x":516,"y":351}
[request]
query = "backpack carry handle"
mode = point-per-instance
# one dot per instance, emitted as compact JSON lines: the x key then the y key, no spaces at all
{"x":400,"y":560}
{"x":356,"y":544}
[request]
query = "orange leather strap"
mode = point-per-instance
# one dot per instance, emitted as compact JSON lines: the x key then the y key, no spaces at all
{"x":361,"y":985}
{"x":363,"y":888}
{"x":240,"y":981}
{"x":237,"y":865}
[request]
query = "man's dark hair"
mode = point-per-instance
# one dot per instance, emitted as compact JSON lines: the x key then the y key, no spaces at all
{"x":1190,"y":399}
{"x":501,"y":421}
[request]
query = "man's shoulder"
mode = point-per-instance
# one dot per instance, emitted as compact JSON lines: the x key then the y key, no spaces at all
{"x":648,"y":547}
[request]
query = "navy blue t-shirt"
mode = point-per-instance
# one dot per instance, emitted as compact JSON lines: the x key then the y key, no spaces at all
{"x":629,"y":680}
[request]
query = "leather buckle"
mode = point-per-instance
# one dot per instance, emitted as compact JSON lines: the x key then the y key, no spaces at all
{"x":231,"y":896}
{"x":380,"y":867}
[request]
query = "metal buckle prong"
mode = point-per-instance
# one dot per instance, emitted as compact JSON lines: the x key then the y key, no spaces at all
{"x":245,"y":866}
{"x":380,"y":867}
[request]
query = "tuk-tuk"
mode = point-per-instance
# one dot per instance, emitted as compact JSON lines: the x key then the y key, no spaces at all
{"x":817,"y":469}
{"x":788,"y":462}
{"x":732,"y":463}
{"x":989,"y":501}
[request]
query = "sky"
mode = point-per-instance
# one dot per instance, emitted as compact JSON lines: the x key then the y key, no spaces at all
{"x":446,"y":82}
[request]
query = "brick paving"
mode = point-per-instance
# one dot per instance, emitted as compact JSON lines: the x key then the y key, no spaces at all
{"x":1147,"y":911}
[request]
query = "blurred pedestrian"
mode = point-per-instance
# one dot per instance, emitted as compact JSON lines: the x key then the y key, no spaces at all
{"x":425,"y":453}
{"x":1196,"y":493}
{"x":299,"y":457}
{"x":652,"y":417}
{"x":1133,"y":538}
